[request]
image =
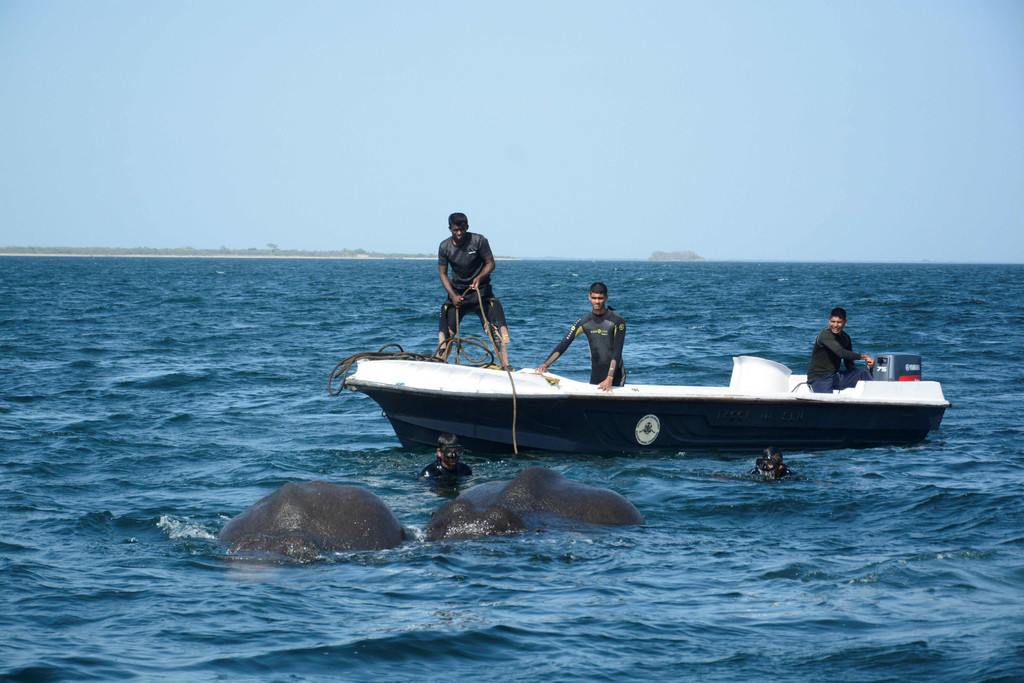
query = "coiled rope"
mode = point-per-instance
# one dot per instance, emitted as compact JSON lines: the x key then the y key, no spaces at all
{"x":460,"y":345}
{"x":344,"y":367}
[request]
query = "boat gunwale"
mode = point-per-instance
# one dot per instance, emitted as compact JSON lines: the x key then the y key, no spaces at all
{"x":788,"y":398}
{"x":566,"y":388}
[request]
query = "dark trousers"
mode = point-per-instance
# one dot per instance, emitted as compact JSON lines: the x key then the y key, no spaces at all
{"x":843,"y":379}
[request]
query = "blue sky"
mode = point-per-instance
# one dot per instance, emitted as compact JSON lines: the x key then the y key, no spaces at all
{"x":847,"y":131}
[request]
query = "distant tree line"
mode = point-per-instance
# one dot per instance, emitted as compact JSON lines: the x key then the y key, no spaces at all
{"x":675,"y":256}
{"x":272,"y":250}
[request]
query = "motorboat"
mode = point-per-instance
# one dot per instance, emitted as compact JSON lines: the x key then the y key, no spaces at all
{"x":765,"y":404}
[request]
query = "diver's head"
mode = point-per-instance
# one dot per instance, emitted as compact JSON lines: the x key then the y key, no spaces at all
{"x":449,"y":450}
{"x":770,"y":465}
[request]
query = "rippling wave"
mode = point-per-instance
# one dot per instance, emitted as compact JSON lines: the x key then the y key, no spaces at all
{"x":151,"y":400}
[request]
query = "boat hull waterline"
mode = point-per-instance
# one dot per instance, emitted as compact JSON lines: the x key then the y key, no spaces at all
{"x":763,"y":406}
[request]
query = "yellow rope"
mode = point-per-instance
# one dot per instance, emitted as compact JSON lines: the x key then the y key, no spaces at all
{"x":492,"y":333}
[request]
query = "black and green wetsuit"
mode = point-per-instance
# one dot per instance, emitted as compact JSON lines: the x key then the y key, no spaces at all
{"x":606,"y":334}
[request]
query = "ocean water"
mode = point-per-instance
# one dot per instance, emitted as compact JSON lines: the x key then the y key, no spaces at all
{"x":144,"y":402}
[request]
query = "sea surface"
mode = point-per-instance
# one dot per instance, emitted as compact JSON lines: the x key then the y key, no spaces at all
{"x":145,"y":401}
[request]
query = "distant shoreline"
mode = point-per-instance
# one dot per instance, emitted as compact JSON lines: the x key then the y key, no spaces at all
{"x":382,"y":257}
{"x":342,"y":254}
{"x":191,"y":252}
{"x":65,"y":254}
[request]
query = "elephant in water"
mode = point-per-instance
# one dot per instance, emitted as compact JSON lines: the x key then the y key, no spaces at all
{"x":536,"y":497}
{"x":308,"y":520}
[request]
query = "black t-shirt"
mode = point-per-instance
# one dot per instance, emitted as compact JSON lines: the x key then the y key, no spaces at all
{"x":466,"y":261}
{"x":436,"y":470}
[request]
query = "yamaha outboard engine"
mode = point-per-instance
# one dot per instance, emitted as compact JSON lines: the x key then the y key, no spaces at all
{"x":897,"y":367}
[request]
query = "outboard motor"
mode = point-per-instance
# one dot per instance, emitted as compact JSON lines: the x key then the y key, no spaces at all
{"x":897,"y":367}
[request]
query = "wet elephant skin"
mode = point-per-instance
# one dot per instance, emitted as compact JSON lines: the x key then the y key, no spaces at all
{"x":306,"y":520}
{"x":535,"y":497}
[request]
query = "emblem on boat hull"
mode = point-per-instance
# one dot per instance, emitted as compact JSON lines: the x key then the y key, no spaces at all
{"x":647,"y":429}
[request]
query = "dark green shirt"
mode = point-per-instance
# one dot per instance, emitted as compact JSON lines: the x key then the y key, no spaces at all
{"x":829,"y":352}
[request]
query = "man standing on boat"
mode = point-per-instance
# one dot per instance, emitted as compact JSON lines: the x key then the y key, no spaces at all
{"x":606,"y":332}
{"x":831,"y":349}
{"x":469,"y":255}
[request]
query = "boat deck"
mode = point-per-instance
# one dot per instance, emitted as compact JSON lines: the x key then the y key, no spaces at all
{"x":462,"y":380}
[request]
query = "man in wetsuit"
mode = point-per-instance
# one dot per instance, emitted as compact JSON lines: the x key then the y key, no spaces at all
{"x":771,"y":465}
{"x":831,"y":349}
{"x":469,"y":255}
{"x":606,"y":332}
{"x":447,"y":463}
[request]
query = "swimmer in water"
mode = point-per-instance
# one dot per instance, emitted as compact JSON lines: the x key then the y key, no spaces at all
{"x":770,"y":466}
{"x":447,"y":464}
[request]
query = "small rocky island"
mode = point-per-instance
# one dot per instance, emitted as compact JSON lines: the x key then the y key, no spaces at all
{"x":675,"y":256}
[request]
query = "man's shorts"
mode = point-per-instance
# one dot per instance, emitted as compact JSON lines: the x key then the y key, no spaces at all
{"x":448,"y":321}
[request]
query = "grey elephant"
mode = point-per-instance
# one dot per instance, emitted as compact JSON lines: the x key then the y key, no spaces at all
{"x":537,"y":497}
{"x":305,"y":521}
